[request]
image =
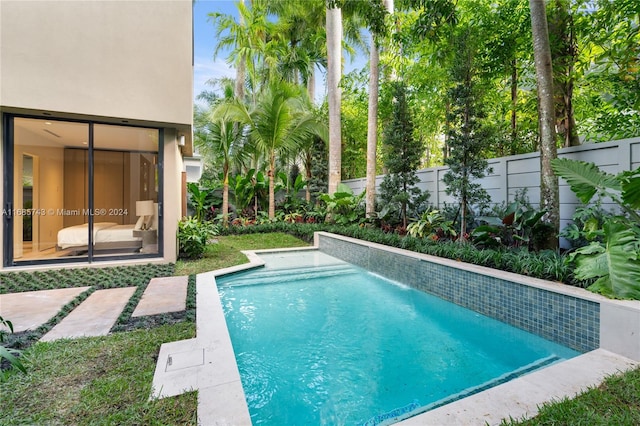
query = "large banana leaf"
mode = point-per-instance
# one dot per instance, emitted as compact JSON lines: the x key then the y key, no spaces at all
{"x":585,"y":179}
{"x":616,"y":264}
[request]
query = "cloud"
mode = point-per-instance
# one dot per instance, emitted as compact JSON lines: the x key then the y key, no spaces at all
{"x":205,"y":69}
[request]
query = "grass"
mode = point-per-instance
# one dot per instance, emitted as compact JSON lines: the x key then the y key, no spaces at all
{"x":97,"y":380}
{"x":615,"y":402}
{"x":107,"y":380}
{"x":226,"y":252}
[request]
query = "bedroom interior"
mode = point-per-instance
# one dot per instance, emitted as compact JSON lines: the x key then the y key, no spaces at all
{"x":72,"y":176}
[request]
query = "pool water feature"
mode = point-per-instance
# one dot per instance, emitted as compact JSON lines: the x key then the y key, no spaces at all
{"x":320,"y":341}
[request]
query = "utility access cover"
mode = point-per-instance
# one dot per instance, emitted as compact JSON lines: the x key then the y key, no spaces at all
{"x":181,"y":360}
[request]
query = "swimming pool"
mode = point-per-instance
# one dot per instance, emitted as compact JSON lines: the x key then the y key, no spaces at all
{"x":327,"y":342}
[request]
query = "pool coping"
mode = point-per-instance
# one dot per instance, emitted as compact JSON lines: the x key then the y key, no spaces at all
{"x":209,"y":364}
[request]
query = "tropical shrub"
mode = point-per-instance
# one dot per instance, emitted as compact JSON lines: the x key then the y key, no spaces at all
{"x":433,"y":224}
{"x":586,"y":225}
{"x":9,"y":354}
{"x":519,"y":227}
{"x":201,"y":200}
{"x":612,"y":263}
{"x":193,"y":236}
{"x":343,"y":207}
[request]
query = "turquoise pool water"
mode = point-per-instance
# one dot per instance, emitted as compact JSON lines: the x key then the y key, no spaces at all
{"x":320,"y":341}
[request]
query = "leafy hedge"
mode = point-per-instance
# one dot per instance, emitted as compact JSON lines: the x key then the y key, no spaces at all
{"x":548,"y":265}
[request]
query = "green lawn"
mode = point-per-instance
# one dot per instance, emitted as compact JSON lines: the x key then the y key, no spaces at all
{"x":107,"y":380}
{"x":226,"y":252}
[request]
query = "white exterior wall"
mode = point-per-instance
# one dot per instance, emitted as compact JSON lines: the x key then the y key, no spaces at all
{"x":106,"y":61}
{"x":124,"y":59}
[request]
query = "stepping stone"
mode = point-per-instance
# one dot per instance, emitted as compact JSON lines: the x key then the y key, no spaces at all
{"x":166,"y":294}
{"x":93,"y":317}
{"x":30,"y":309}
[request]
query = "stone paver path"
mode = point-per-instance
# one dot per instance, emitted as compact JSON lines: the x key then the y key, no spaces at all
{"x":166,"y":294}
{"x":30,"y":309}
{"x":93,"y":317}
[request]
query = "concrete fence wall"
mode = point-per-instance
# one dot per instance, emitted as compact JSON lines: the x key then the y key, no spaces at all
{"x":513,"y":173}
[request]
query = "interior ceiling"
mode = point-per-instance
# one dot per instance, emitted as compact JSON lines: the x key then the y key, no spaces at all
{"x":67,"y":134}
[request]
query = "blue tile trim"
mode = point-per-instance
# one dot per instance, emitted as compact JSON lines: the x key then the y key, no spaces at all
{"x":564,"y":319}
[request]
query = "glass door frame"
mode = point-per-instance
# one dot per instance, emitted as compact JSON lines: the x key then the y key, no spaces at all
{"x":8,"y":195}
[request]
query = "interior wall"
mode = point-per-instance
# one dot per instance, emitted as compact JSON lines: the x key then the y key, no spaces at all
{"x":48,"y":197}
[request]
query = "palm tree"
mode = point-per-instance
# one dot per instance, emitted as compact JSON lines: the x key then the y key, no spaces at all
{"x":334,"y":94}
{"x":219,"y":136}
{"x":372,"y":126}
{"x":278,"y":124}
{"x":247,"y":38}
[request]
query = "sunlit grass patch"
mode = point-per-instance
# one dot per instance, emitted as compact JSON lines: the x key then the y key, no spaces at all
{"x":97,"y":380}
{"x":226,"y":251}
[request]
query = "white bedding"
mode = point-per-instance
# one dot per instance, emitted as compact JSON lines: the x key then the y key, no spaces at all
{"x":103,"y":232}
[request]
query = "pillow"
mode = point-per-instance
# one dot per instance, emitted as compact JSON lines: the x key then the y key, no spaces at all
{"x":138,"y":225}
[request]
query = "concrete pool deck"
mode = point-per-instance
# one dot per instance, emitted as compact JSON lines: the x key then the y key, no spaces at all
{"x":207,"y":364}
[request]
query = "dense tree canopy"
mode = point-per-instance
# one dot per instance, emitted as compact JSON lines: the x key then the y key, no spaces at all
{"x":595,"y":49}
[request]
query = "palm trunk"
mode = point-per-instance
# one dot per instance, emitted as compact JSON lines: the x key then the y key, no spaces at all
{"x":311,"y":84}
{"x":272,"y":198}
{"x":334,"y":63}
{"x":241,"y":68}
{"x":372,"y":128}
{"x":225,"y":197}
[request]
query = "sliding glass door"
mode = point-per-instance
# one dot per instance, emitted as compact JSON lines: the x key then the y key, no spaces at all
{"x":81,"y":191}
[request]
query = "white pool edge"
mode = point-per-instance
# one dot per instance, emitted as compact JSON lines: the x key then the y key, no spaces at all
{"x":221,"y":399}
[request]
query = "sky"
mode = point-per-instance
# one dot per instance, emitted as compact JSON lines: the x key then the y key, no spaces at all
{"x":205,"y":67}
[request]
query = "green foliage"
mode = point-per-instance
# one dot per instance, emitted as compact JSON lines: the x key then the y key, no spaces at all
{"x":613,"y":261}
{"x":586,"y":225}
{"x":403,"y":151}
{"x":9,"y":354}
{"x":250,"y":190}
{"x":467,"y":135}
{"x":432,"y":224}
{"x":343,"y":207}
{"x":519,"y":226}
{"x":193,"y":236}
{"x":319,"y":168}
{"x":201,"y":199}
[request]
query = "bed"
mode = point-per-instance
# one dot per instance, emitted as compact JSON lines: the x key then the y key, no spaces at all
{"x":106,"y":236}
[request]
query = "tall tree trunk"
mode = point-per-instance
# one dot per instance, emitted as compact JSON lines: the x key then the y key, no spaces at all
{"x":225,"y":196}
{"x":549,"y":196}
{"x":514,"y":105}
{"x":272,"y":185}
{"x":564,"y":54}
{"x":311,"y":84}
{"x":372,"y":123}
{"x":241,"y":68}
{"x":334,"y":71}
{"x":372,"y":127}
